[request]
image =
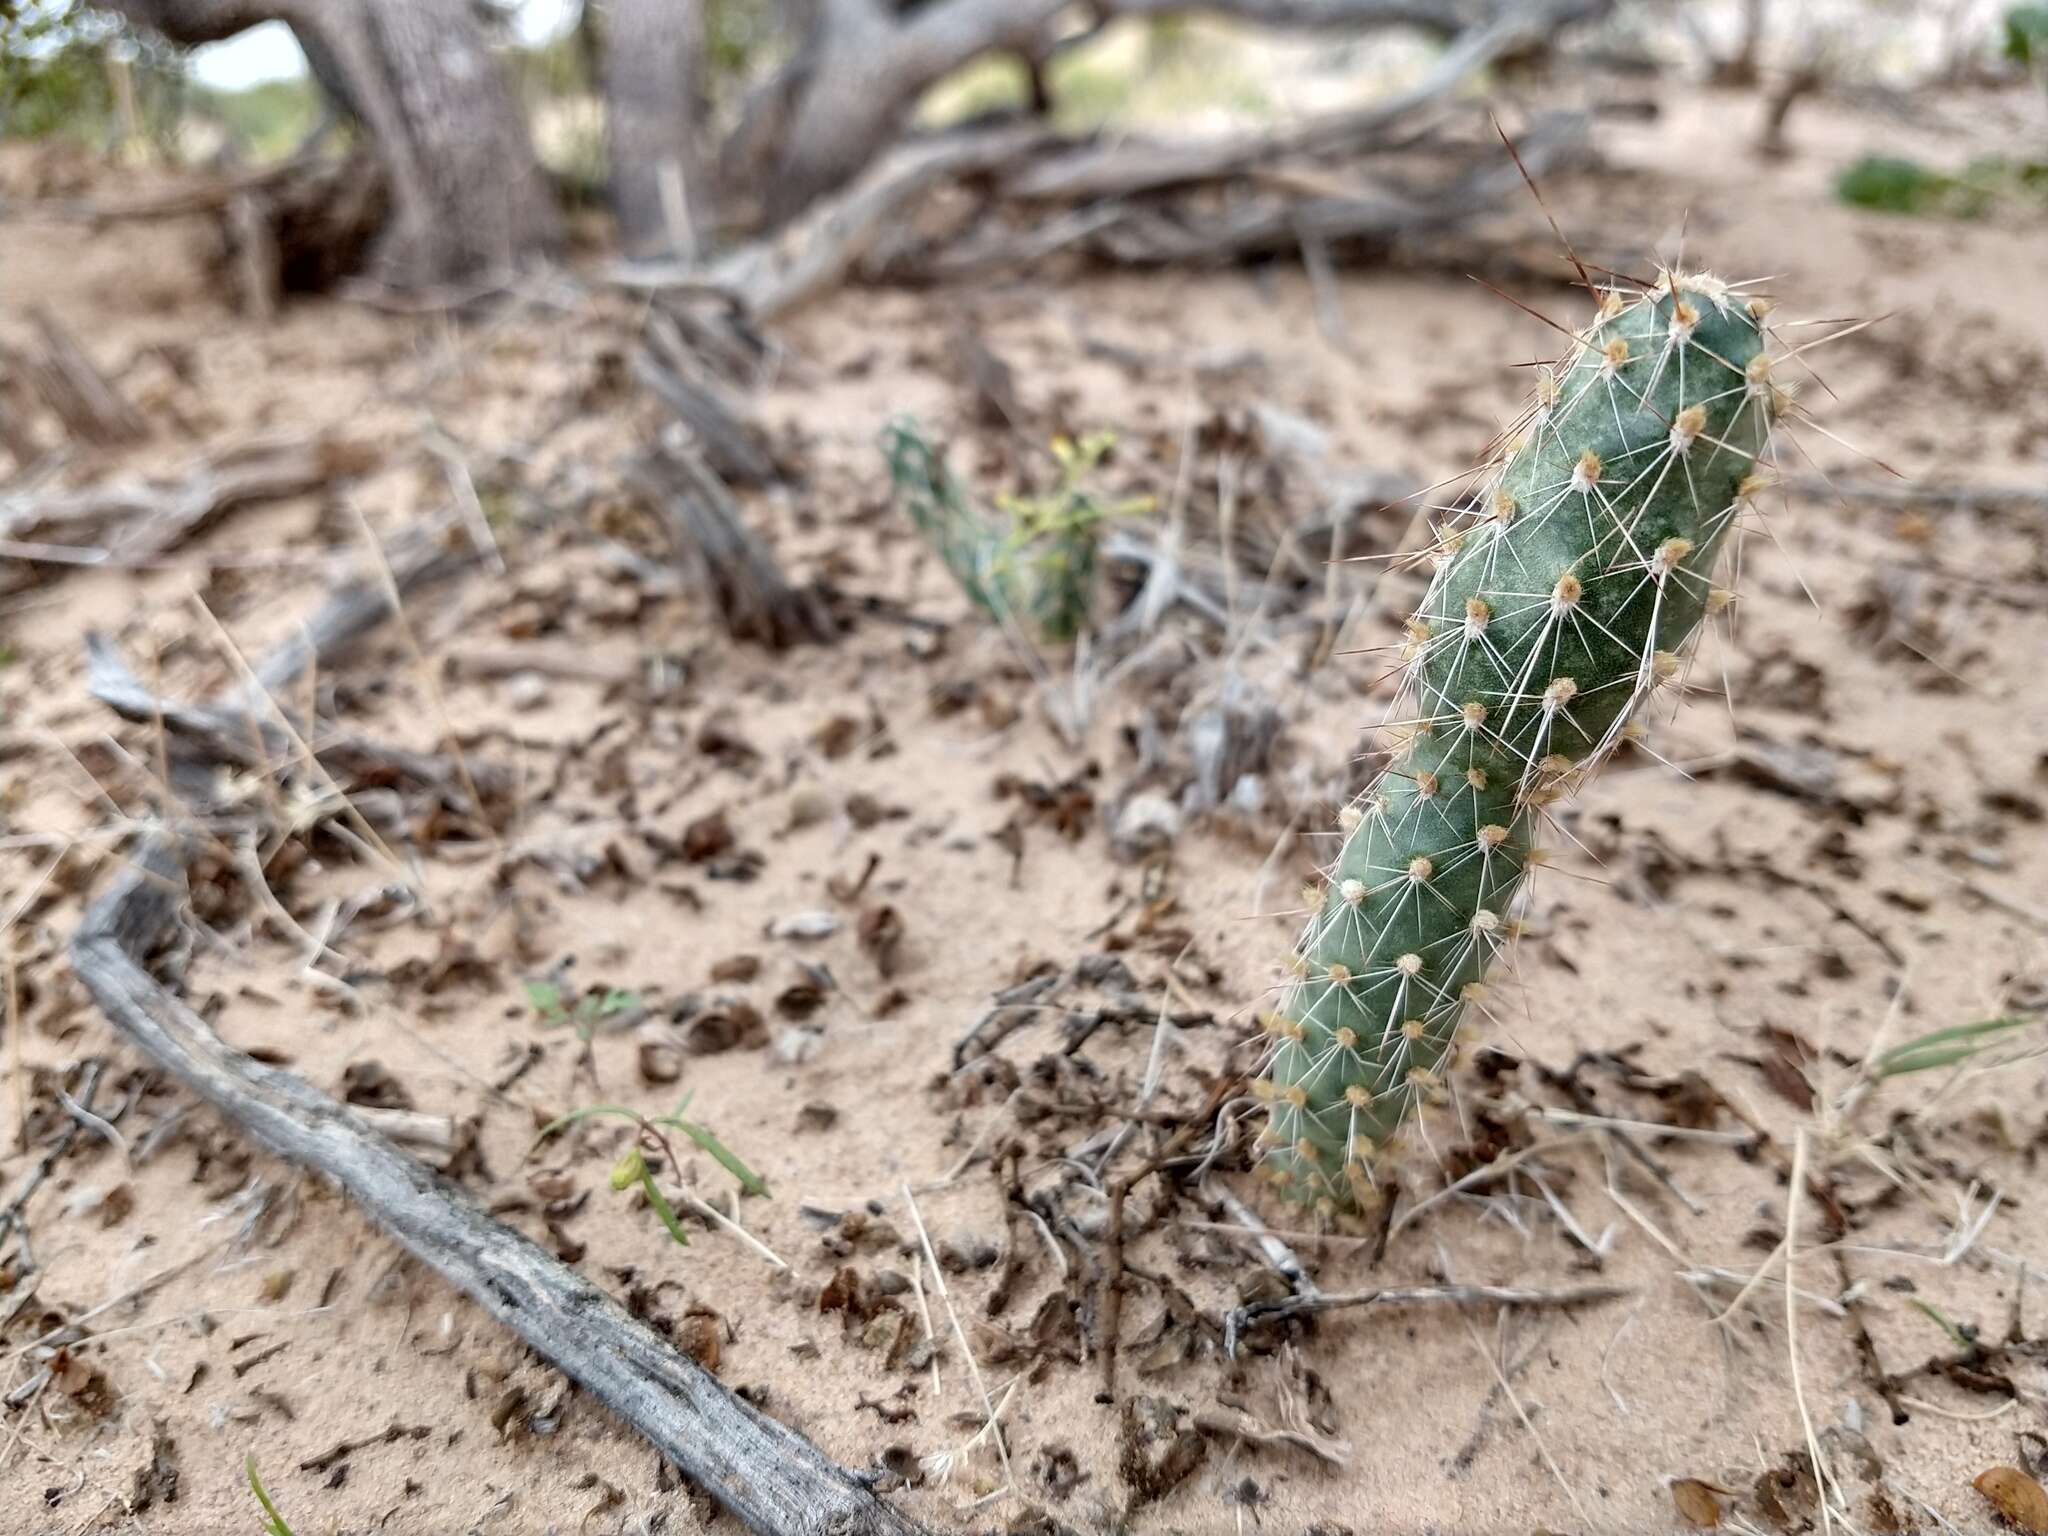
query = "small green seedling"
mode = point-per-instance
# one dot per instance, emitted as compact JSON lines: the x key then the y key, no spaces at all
{"x":632,"y":1168}
{"x":1965,"y":1337}
{"x":1036,"y":562}
{"x":1049,"y":549}
{"x":273,"y":1522}
{"x":1949,"y":1047}
{"x":590,"y":1010}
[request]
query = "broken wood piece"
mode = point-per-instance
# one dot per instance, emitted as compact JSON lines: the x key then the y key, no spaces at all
{"x":437,"y":1134}
{"x":769,"y":1477}
{"x":1228,"y":1423}
{"x":245,"y":726}
{"x":769,"y":278}
{"x":732,"y":445}
{"x":91,"y":408}
{"x":1255,"y":1313}
{"x":259,"y":273}
{"x":255,"y":739}
{"x":130,"y":521}
{"x":423,"y":554}
{"x":729,"y":562}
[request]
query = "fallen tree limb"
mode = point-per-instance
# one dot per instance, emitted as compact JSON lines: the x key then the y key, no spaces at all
{"x":1128,"y":165}
{"x":771,"y":277}
{"x":92,"y":408}
{"x":726,"y":559}
{"x":255,"y":739}
{"x":771,"y":1478}
{"x":732,"y":443}
{"x":768,"y":1476}
{"x":1240,"y":1319}
{"x":246,"y":727}
{"x":130,"y":521}
{"x":1364,"y":178}
{"x":1240,"y":211}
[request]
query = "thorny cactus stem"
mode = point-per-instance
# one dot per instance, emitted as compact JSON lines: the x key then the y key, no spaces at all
{"x":1561,"y":603}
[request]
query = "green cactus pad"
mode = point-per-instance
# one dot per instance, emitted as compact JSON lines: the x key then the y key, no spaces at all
{"x":1560,"y":605}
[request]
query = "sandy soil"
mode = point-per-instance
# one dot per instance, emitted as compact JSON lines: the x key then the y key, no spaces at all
{"x":1856,"y":858}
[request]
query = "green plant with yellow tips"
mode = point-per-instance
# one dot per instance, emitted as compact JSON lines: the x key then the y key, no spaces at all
{"x":1562,"y":602}
{"x":1035,"y":563}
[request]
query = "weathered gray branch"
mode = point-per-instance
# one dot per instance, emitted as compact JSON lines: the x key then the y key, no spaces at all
{"x":1129,"y":165}
{"x":127,"y":521}
{"x":768,"y":1476}
{"x":772,"y":1479}
{"x":772,"y":276}
{"x":726,"y":559}
{"x":92,"y":408}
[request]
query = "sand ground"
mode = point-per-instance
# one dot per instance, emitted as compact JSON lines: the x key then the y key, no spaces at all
{"x":1857,"y":856}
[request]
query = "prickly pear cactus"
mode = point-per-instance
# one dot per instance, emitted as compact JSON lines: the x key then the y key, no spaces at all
{"x":1561,"y":604}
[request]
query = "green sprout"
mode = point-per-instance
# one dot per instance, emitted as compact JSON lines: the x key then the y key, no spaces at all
{"x":273,"y":1522}
{"x":1943,"y":1047}
{"x":1050,"y":545}
{"x":591,"y":1008}
{"x":1037,"y":561}
{"x":632,"y":1168}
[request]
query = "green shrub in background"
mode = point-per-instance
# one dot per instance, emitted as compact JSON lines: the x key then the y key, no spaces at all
{"x":1892,"y":184}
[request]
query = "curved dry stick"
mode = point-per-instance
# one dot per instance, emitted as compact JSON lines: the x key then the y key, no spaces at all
{"x":771,"y":1478}
{"x":768,"y":1476}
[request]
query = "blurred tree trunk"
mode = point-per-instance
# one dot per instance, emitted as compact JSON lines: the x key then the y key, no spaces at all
{"x":468,"y":200}
{"x":853,"y":85}
{"x":654,"y":100}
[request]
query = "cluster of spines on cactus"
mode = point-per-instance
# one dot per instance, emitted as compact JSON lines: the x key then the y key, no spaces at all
{"x":1565,"y":593}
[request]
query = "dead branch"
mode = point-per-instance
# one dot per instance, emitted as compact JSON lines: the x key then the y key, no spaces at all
{"x":253,"y":738}
{"x":92,"y":409}
{"x":1125,"y":199}
{"x":1127,"y":165}
{"x":772,"y":277}
{"x":206,"y":195}
{"x":127,"y":522}
{"x":1276,"y":213}
{"x":727,"y":559}
{"x":1236,"y":1424}
{"x":767,"y":1475}
{"x":731,"y":442}
{"x":247,"y":727}
{"x":1238,"y":1321}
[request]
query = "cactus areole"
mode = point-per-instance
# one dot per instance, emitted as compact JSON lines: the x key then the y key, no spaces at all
{"x":1561,"y":604}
